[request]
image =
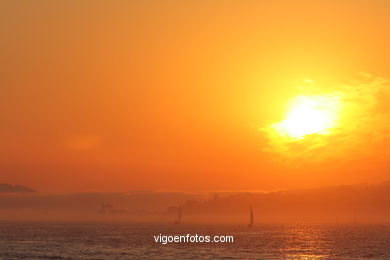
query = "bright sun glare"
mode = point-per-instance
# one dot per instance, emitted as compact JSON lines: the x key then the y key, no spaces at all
{"x":309,"y":115}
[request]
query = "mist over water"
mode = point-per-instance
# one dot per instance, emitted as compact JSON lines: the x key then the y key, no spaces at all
{"x":135,"y":241}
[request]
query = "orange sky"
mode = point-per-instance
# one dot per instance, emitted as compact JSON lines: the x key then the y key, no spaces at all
{"x":170,"y":95}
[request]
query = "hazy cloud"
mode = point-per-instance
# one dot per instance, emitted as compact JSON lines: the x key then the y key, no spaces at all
{"x":363,"y":121}
{"x":83,"y":142}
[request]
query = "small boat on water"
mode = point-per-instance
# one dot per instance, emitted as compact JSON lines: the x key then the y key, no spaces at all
{"x":251,"y":217}
{"x":178,"y":220}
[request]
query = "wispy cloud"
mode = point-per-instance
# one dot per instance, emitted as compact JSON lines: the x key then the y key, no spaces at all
{"x":363,"y":121}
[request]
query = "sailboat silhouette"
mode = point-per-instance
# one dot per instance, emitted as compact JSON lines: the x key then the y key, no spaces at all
{"x":178,"y":220}
{"x":251,"y":217}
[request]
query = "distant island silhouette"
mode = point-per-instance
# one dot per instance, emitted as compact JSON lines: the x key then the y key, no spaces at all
{"x":346,"y":203}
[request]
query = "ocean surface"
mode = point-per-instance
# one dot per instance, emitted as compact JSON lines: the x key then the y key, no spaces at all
{"x":136,"y":241}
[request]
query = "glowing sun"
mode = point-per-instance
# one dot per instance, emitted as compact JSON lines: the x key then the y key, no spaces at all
{"x":309,"y":115}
